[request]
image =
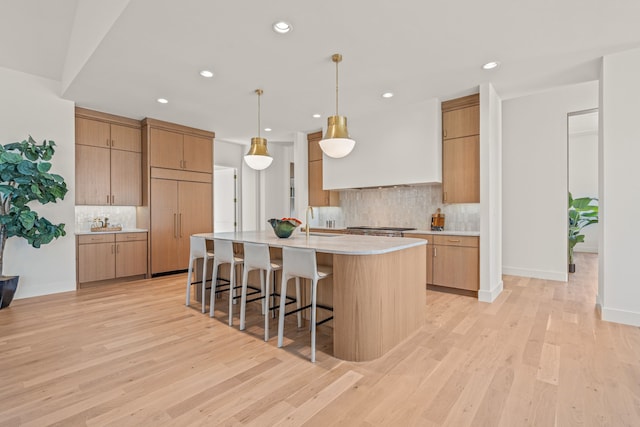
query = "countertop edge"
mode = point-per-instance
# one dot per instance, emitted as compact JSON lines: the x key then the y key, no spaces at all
{"x":124,"y":230}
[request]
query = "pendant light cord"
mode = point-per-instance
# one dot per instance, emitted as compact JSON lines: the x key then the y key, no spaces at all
{"x":258,"y":114}
{"x":337,"y":88}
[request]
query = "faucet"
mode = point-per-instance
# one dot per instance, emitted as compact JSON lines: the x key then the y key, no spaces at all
{"x":309,"y":209}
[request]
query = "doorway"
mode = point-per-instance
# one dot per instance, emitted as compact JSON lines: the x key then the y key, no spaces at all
{"x":225,"y":199}
{"x":582,"y":168}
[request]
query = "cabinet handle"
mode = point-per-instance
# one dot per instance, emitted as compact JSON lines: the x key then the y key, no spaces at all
{"x":175,"y":225}
{"x":444,"y":196}
{"x":435,"y":251}
{"x":113,"y":143}
{"x":180,"y":222}
{"x":107,"y":142}
{"x":454,"y":240}
{"x":117,"y":249}
{"x":444,"y":133}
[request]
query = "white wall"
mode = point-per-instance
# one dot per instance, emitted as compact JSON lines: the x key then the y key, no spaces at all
{"x":583,"y":179}
{"x":618,"y":288}
{"x":490,"y":194}
{"x":32,"y":105}
{"x":276,"y":183}
{"x":534,"y":135}
{"x":399,"y":146}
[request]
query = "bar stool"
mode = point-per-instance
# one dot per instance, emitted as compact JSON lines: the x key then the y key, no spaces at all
{"x":198,"y":250}
{"x":224,"y":255}
{"x":257,"y":257}
{"x":301,"y":263}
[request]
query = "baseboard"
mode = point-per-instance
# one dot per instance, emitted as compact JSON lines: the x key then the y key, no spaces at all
{"x":490,"y":296}
{"x":631,"y":318}
{"x":536,"y":274}
{"x":587,"y":249}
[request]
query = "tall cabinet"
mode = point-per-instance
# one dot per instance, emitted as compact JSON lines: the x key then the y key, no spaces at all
{"x":317,"y":195}
{"x":461,"y":150}
{"x":178,"y":191}
{"x":108,"y":159}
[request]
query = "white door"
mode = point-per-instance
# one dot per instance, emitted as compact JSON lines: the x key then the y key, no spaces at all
{"x":224,"y":199}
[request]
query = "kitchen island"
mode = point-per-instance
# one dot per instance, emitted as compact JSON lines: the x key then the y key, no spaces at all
{"x":377,"y":289}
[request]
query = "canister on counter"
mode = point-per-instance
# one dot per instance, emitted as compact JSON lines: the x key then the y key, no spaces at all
{"x":437,"y":221}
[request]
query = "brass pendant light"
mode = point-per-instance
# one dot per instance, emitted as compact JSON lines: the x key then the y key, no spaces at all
{"x":336,"y":142}
{"x":258,"y":156}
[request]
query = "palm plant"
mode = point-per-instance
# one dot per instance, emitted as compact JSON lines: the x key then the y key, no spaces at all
{"x":583,"y":211}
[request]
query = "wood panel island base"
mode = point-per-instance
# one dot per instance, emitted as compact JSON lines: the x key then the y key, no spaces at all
{"x":378,"y":287}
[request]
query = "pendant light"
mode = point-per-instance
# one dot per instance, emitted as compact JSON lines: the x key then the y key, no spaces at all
{"x":336,"y":142}
{"x":258,"y":156}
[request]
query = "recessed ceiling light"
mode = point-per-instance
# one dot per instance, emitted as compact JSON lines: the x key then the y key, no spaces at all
{"x":162,"y":101}
{"x":267,"y":129}
{"x":206,"y":73}
{"x":387,"y":95}
{"x":316,"y":116}
{"x":282,"y":27}
{"x":490,"y":65}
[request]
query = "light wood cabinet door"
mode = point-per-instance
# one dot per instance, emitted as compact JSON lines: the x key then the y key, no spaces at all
{"x":461,"y":170}
{"x":456,"y":267}
{"x":165,"y":149}
{"x":315,"y":152}
{"x":164,"y":225}
{"x":126,"y":138}
{"x":131,"y":258}
{"x":197,"y":154}
{"x":461,"y":122}
{"x":317,"y":196}
{"x":430,"y":263}
{"x":96,"y":262}
{"x":92,"y":132}
{"x":93,"y":175}
{"x":195,"y":202}
{"x":126,"y":178}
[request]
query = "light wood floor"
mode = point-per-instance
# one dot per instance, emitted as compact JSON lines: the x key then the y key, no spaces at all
{"x":135,"y":355}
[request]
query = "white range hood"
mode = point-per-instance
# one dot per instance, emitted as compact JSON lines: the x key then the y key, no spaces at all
{"x":398,"y":147}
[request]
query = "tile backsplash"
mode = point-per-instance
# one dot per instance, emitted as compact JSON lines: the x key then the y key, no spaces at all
{"x":405,"y":206}
{"x":122,"y":215}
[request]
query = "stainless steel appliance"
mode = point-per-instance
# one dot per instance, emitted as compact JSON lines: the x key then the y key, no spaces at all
{"x":379,"y":231}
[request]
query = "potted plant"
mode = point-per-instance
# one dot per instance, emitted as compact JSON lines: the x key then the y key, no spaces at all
{"x":24,"y":178}
{"x":582,"y":212}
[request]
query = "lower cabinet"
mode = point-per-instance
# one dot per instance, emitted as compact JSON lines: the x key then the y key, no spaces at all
{"x":111,"y":256}
{"x":452,"y":261}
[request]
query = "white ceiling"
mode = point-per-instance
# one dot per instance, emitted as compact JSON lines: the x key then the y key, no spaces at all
{"x":120,"y":56}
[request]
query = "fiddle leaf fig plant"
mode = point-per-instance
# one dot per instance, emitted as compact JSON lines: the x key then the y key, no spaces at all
{"x":25,"y":178}
{"x":583,"y":211}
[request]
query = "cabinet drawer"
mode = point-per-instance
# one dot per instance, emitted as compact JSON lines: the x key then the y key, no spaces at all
{"x":130,"y":237}
{"x":468,"y":241}
{"x":96,"y":238}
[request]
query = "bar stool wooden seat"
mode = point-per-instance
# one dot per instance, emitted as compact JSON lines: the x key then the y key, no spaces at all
{"x":224,"y":255}
{"x":198,"y":250}
{"x":301,"y":263}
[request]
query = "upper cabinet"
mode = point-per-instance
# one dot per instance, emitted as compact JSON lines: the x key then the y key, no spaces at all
{"x":108,"y":159}
{"x":395,"y":146}
{"x":317,"y":195}
{"x":461,"y":150}
{"x":179,"y":149}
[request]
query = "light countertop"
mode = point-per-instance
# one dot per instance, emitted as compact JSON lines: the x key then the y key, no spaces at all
{"x":124,"y":230}
{"x":445,"y":232}
{"x":345,"y":244}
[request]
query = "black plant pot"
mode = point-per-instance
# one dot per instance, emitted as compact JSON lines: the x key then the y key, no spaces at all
{"x":572,"y":268}
{"x":8,"y":286}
